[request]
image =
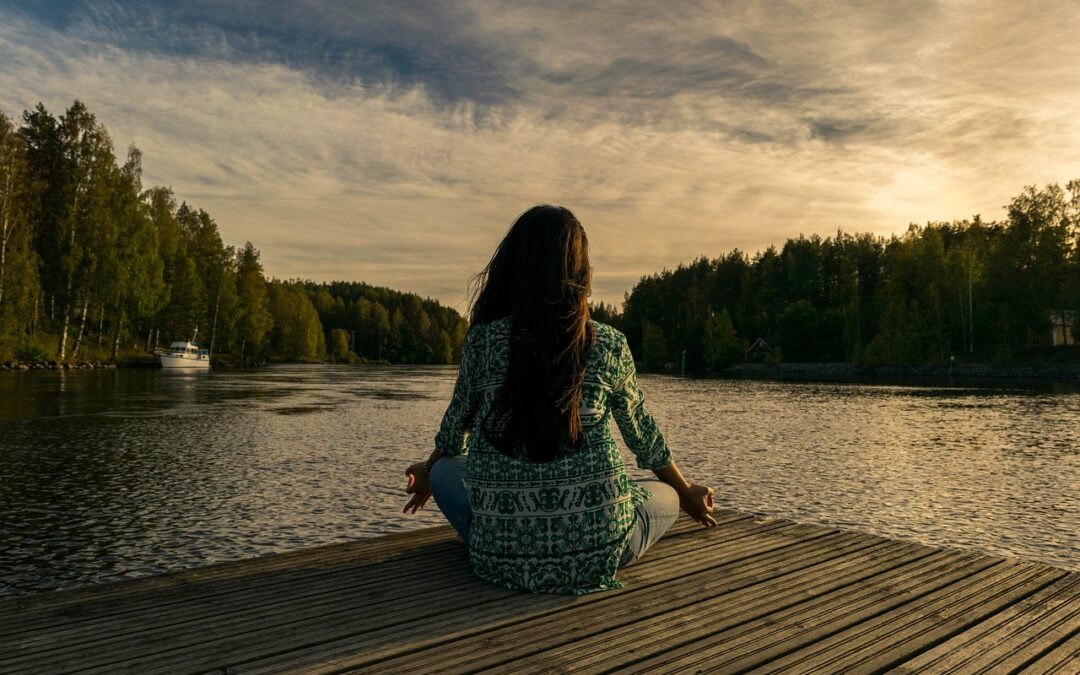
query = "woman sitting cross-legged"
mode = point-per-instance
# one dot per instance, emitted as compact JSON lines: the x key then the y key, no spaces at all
{"x":525,"y":465}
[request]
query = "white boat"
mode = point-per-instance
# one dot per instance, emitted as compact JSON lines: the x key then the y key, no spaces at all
{"x":184,"y":356}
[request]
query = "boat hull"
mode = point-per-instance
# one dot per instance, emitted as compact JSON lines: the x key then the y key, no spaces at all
{"x":181,"y":363}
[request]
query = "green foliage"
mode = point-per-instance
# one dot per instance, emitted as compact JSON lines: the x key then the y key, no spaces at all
{"x":93,"y":261}
{"x":721,"y":344}
{"x":30,"y":352}
{"x":605,"y":313}
{"x":254,"y":320}
{"x":19,"y":282}
{"x":85,"y":251}
{"x":797,"y":330}
{"x":338,"y":346}
{"x":390,"y":325}
{"x":970,"y":289}
{"x":297,"y":334}
{"x":807,"y":335}
{"x":654,"y":346}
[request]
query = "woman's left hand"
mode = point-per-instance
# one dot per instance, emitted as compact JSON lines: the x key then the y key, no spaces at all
{"x":418,"y":487}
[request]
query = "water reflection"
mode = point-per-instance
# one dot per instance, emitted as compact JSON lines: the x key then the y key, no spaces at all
{"x":111,"y":474}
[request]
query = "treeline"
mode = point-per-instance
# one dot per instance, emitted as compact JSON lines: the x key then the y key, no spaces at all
{"x":378,"y":324}
{"x":91,"y":264}
{"x":970,"y":290}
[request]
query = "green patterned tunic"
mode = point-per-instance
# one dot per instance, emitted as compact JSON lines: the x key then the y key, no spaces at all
{"x":559,"y":526}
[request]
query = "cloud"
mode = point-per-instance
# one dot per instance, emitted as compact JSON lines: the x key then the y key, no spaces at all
{"x":394,"y":144}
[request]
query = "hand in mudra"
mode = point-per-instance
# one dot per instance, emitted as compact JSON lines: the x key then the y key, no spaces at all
{"x":419,"y":487}
{"x":697,"y":501}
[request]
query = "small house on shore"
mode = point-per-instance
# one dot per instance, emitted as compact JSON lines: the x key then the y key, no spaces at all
{"x":758,"y":351}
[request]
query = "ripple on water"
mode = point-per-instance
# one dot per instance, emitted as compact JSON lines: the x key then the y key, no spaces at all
{"x":298,"y":410}
{"x":133,"y":474}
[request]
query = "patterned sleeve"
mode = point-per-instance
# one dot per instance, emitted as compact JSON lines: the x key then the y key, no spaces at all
{"x":637,"y":426}
{"x":456,"y":422}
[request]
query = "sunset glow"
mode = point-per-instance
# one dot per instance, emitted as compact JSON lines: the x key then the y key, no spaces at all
{"x":394,"y":143}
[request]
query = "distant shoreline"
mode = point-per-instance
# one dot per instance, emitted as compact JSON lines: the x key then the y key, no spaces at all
{"x":150,"y":362}
{"x":780,"y":371}
{"x":960,"y":371}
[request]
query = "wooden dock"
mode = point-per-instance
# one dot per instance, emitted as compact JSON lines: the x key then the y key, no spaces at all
{"x":754,"y":594}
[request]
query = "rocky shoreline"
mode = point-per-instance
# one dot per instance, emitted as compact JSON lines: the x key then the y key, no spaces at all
{"x":56,"y":365}
{"x":967,"y":370}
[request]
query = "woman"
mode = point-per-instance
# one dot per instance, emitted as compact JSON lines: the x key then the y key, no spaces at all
{"x":525,"y":465}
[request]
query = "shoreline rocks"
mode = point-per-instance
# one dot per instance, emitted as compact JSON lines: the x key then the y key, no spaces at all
{"x":967,"y":370}
{"x":56,"y":365}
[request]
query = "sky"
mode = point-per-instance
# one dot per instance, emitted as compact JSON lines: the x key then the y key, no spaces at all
{"x":395,"y":142}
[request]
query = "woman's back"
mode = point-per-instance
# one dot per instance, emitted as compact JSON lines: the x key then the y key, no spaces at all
{"x":558,"y":526}
{"x":542,"y":498}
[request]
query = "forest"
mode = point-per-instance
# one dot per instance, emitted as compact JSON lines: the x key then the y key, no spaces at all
{"x":94,"y":266}
{"x":974,"y":291}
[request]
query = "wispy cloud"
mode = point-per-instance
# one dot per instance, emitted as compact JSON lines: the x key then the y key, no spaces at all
{"x":394,"y":143}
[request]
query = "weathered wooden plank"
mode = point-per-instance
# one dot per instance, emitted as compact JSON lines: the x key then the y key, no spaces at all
{"x":365,"y":550}
{"x":1011,"y":638}
{"x":895,"y":636}
{"x":390,"y":637}
{"x":448,"y":555}
{"x":215,"y":593}
{"x":240,"y":598}
{"x":753,"y":581}
{"x":379,"y":586}
{"x":151,"y":609}
{"x":317,"y":559}
{"x":268,"y":627}
{"x":1061,"y":660}
{"x":138,"y":595}
{"x":687,"y":626}
{"x":752,"y":643}
{"x":778,"y":596}
{"x":241,"y":626}
{"x":362,"y":648}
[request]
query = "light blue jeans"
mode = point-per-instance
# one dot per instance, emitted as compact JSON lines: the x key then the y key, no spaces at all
{"x":652,"y":518}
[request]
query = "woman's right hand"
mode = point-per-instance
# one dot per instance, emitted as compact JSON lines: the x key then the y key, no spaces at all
{"x":697,"y":501}
{"x":418,"y":486}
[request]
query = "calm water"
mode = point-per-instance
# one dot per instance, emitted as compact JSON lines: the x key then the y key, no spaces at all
{"x":113,"y":474}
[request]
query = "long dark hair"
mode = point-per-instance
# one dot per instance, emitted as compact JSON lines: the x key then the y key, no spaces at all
{"x":540,"y":276}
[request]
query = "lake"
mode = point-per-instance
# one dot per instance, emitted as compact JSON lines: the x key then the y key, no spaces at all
{"x":113,"y":474}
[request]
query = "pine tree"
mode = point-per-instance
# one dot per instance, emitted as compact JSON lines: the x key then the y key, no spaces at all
{"x":254,"y":320}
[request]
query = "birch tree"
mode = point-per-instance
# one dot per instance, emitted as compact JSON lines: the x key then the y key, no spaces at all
{"x":13,"y":185}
